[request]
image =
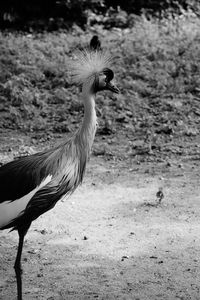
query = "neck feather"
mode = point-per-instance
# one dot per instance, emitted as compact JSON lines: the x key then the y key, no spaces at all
{"x":88,"y":129}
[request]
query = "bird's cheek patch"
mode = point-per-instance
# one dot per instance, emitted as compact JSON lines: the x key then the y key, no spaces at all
{"x":95,"y":85}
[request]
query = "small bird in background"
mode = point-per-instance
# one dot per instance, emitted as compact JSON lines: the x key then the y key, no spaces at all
{"x":95,"y":43}
{"x":160,"y":195}
{"x":32,"y":185}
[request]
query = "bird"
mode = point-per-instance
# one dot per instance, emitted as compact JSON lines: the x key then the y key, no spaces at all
{"x":160,"y":195}
{"x":95,"y":43}
{"x":32,"y":185}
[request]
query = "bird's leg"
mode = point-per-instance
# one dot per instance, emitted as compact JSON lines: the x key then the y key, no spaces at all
{"x":17,"y":265}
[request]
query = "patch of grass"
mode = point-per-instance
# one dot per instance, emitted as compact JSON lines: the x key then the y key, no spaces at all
{"x":157,"y":67}
{"x":160,"y":66}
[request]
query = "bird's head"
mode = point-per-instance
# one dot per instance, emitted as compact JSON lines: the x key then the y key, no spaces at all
{"x":103,"y":82}
{"x":92,"y":71}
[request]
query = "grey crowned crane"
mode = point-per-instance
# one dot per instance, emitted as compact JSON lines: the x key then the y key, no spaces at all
{"x":32,"y":185}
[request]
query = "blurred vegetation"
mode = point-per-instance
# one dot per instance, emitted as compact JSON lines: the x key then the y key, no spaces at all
{"x":157,"y":67}
{"x":52,"y":15}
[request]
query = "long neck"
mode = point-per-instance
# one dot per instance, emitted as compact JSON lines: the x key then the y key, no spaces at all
{"x":88,"y":128}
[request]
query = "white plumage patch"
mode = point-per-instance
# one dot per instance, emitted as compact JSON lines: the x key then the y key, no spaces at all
{"x":10,"y":210}
{"x":89,"y":63}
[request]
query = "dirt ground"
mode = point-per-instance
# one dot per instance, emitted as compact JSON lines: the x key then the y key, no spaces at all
{"x":112,"y":239}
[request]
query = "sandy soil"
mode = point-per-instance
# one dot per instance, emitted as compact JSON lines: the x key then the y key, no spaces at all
{"x":112,"y":240}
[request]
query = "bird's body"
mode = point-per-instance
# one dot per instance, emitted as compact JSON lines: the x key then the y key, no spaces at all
{"x":32,"y":185}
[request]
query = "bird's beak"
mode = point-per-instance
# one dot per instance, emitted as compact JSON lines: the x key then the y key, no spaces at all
{"x":111,"y":87}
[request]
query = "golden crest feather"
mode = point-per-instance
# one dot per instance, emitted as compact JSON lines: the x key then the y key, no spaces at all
{"x":88,"y":64}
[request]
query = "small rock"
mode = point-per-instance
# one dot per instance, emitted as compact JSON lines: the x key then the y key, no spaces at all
{"x":124,"y":257}
{"x":132,"y":233}
{"x":43,"y":231}
{"x":32,"y":251}
{"x":160,"y":262}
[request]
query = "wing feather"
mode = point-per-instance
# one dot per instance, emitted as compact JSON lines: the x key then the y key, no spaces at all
{"x":65,"y":164}
{"x":19,"y":177}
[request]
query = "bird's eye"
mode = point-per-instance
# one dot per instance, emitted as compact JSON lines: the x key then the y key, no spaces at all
{"x":109,"y":74}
